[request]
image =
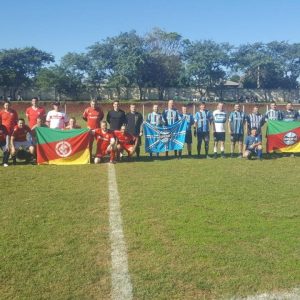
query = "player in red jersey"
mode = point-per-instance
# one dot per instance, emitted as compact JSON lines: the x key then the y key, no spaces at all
{"x":21,"y":139}
{"x":106,"y":143}
{"x":34,"y":111}
{"x":125,"y":141}
{"x":9,"y":117}
{"x":4,"y":144}
{"x":93,"y":115}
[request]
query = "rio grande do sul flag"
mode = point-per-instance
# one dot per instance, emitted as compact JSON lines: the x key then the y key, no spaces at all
{"x":62,"y":147}
{"x":283,"y":136}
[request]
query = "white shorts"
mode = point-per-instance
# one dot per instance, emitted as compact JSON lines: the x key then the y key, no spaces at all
{"x":24,"y":145}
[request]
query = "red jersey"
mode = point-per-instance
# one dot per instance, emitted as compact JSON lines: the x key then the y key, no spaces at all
{"x":125,"y":139}
{"x":3,"y":133}
{"x":20,"y":134}
{"x":9,"y":119}
{"x":93,"y":117}
{"x":103,"y":139}
{"x":33,"y":113}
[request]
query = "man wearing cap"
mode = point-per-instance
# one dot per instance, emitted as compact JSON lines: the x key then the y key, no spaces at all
{"x":56,"y":119}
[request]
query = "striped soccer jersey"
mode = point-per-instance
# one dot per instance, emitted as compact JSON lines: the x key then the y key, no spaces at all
{"x":155,"y":119}
{"x":170,"y":116}
{"x":255,"y":120}
{"x":237,"y":120}
{"x":203,"y":119}
{"x":273,"y":115}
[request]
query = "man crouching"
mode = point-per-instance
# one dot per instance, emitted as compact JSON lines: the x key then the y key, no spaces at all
{"x":253,"y":145}
{"x":106,"y":143}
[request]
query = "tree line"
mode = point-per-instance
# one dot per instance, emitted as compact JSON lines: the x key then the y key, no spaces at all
{"x":157,"y":59}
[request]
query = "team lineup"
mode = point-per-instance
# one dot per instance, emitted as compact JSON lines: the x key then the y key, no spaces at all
{"x":121,"y":132}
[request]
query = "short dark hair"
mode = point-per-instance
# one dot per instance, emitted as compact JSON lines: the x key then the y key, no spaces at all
{"x":21,"y":119}
{"x":35,"y":98}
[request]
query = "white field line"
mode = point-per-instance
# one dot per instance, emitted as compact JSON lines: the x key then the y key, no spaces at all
{"x":288,"y":295}
{"x":121,"y":283}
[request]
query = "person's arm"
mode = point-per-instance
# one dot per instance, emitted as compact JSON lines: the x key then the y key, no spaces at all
{"x":108,"y":118}
{"x":48,"y":119}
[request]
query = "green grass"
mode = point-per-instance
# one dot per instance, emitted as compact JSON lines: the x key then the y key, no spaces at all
{"x":53,"y":240}
{"x":220,"y":229}
{"x":195,"y":229}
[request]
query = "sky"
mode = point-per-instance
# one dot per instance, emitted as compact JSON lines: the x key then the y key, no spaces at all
{"x":62,"y":26}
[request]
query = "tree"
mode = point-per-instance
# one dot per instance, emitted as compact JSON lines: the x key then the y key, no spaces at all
{"x":18,"y":67}
{"x":164,"y":60}
{"x":206,"y":63}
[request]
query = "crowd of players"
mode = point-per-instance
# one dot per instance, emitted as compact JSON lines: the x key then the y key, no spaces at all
{"x":125,"y":129}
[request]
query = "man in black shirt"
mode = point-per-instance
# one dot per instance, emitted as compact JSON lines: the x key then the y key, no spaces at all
{"x":116,"y":117}
{"x":134,"y":121}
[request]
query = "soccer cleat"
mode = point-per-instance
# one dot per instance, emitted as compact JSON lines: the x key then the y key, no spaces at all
{"x":223,"y":156}
{"x":231,"y":155}
{"x":5,"y":165}
{"x":215,"y":155}
{"x":112,"y":162}
{"x":208,"y":157}
{"x":240,"y":156}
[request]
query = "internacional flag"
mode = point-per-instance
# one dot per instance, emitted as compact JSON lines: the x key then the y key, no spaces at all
{"x":165,"y":138}
{"x":283,"y":136}
{"x":62,"y":147}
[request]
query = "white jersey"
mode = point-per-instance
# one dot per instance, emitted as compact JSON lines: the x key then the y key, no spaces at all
{"x":56,"y":119}
{"x":219,"y":118}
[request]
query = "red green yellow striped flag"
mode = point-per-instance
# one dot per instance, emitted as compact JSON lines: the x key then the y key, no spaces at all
{"x":62,"y":147}
{"x":283,"y":136}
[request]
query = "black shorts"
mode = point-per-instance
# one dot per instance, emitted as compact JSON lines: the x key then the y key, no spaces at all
{"x":2,"y":146}
{"x":236,"y":138}
{"x":219,"y":136}
{"x":188,"y":137}
{"x":203,"y":136}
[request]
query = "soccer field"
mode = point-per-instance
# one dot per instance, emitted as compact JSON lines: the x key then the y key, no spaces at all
{"x":194,"y":229}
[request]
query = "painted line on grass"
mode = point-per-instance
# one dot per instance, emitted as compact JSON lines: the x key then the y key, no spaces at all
{"x":121,"y":283}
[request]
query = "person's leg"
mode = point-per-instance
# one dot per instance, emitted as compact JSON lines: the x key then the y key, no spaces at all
{"x":259,"y":151}
{"x":222,"y":148}
{"x":189,"y":148}
{"x":206,"y":144}
{"x":199,"y":143}
{"x":240,"y":149}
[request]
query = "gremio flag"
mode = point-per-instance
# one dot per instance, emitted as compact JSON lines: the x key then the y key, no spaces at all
{"x":161,"y":139}
{"x":283,"y":136}
{"x":62,"y":147}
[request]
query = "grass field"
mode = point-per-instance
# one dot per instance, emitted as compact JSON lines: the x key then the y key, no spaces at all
{"x":194,"y":229}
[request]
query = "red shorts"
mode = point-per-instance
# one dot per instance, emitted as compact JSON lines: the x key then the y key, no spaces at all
{"x":127,"y":147}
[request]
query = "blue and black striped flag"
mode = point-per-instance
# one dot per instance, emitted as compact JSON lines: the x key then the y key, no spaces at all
{"x":165,"y":138}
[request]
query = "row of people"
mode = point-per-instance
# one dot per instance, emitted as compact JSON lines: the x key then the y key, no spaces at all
{"x":202,"y":121}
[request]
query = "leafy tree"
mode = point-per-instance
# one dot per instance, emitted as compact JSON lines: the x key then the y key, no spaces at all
{"x":18,"y":67}
{"x":206,"y":63}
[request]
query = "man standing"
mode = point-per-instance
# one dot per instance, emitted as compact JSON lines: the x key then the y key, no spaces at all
{"x":170,"y":116}
{"x":203,"y":119}
{"x":253,"y":145}
{"x":9,"y":117}
{"x":188,"y":136}
{"x":56,"y":119}
{"x":93,"y":115}
{"x":273,"y":114}
{"x":236,"y":123}
{"x":4,"y":144}
{"x":255,"y":119}
{"x":219,"y":121}
{"x":21,"y":138}
{"x":116,"y":117}
{"x":289,"y":114}
{"x":134,"y":121}
{"x":34,"y":111}
{"x":155,"y":119}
